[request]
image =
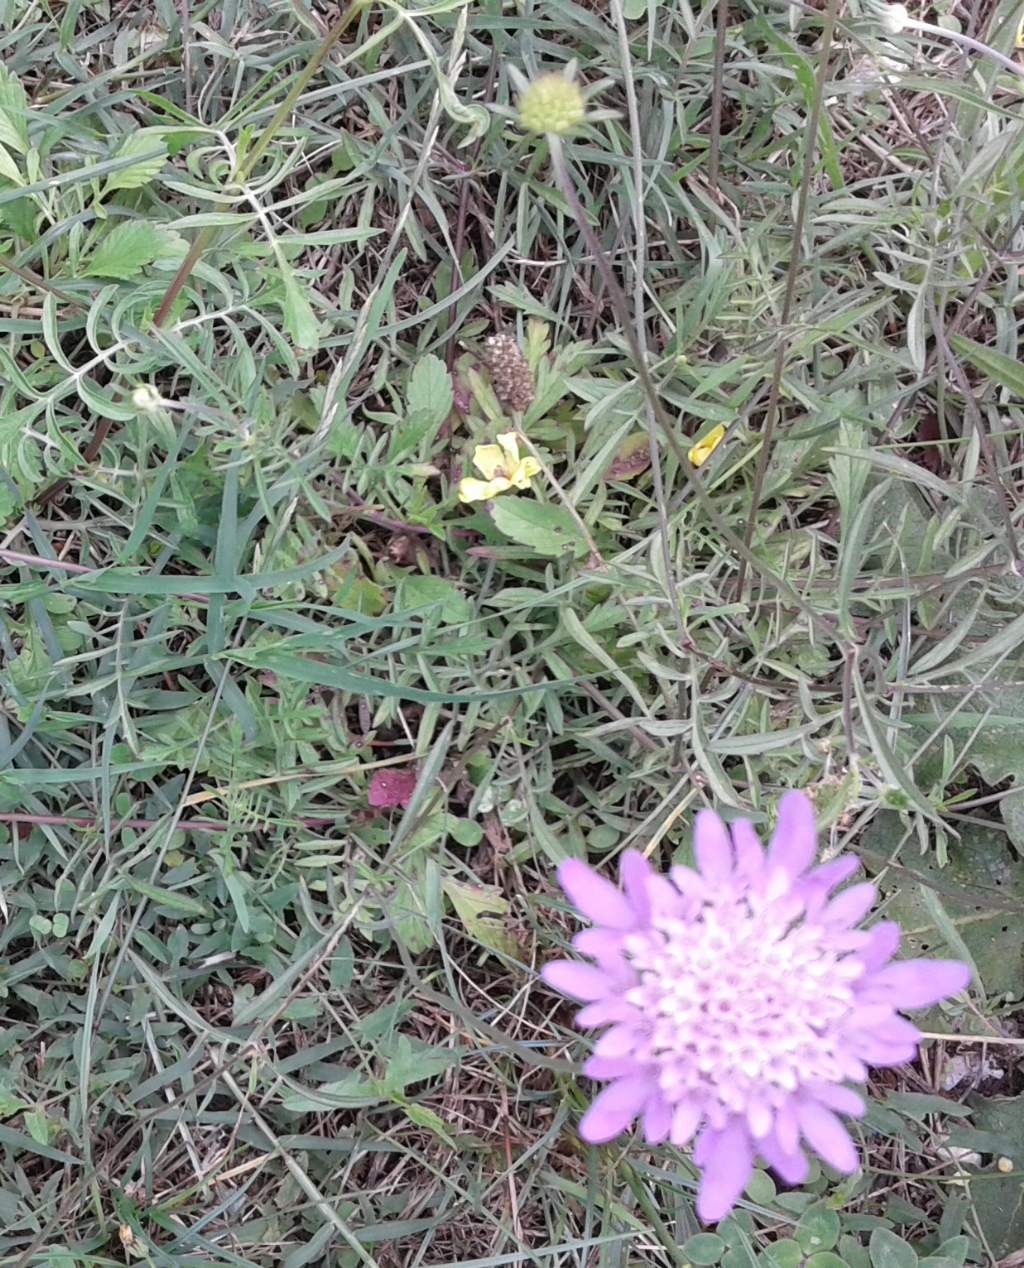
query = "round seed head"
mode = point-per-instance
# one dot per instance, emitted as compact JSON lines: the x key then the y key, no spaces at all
{"x":551,"y":103}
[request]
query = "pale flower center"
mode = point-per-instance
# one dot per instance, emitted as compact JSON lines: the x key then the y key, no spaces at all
{"x":739,"y":1004}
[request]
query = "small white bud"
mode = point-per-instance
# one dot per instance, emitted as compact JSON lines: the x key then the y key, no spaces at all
{"x":146,"y":399}
{"x":894,"y":19}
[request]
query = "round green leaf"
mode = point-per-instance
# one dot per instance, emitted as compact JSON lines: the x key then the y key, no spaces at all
{"x":889,"y":1251}
{"x":785,"y":1253}
{"x":824,"y":1259}
{"x":818,"y":1229}
{"x":704,"y":1248}
{"x":761,"y":1188}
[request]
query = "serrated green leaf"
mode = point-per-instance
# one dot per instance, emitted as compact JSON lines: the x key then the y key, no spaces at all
{"x":10,"y":1103}
{"x":101,"y":401}
{"x":549,"y":530}
{"x":887,"y":759}
{"x":423,"y":1116}
{"x":407,"y":909}
{"x":300,"y":321}
{"x":430,"y":389}
{"x":980,"y":864}
{"x":38,"y":1126}
{"x":9,"y":169}
{"x":150,"y":149}
{"x":997,"y":1201}
{"x":20,"y":217}
{"x":13,"y":112}
{"x":9,"y":502}
{"x":476,"y":907}
{"x":422,"y":591}
{"x":126,"y":250}
{"x":411,"y":1061}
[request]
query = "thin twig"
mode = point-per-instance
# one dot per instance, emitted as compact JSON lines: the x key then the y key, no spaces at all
{"x":596,"y":560}
{"x":640,"y":319}
{"x":33,"y":279}
{"x":717,"y":92}
{"x":77,"y":570}
{"x":186,"y":54}
{"x":248,"y":163}
{"x":92,"y":821}
{"x":999,"y":1039}
{"x":613,"y":711}
{"x":966,"y":41}
{"x":204,"y":236}
{"x":984,"y":440}
{"x":795,"y":253}
{"x":40,"y":561}
{"x":460,"y":223}
{"x":617,"y":298}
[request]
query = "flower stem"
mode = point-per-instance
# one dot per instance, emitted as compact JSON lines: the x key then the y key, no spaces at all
{"x":595,"y":560}
{"x":245,"y":168}
{"x":620,"y":305}
{"x":967,"y":41}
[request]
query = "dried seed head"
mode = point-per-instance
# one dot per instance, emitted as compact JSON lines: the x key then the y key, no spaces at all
{"x":511,"y":377}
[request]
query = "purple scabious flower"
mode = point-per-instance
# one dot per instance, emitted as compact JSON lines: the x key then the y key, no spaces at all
{"x":741,"y":999}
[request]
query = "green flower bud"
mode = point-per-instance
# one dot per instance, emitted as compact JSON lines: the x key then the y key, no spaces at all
{"x":551,"y":104}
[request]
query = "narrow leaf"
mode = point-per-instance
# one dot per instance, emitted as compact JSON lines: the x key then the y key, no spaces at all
{"x":997,"y":366}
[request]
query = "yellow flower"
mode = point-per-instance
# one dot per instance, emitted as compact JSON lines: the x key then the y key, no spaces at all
{"x":707,"y":445}
{"x":502,"y":469}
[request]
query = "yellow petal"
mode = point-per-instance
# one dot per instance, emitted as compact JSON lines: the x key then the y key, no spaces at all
{"x":707,"y":445}
{"x":510,"y":447}
{"x":488,"y":460}
{"x":524,"y":472}
{"x":471,"y":490}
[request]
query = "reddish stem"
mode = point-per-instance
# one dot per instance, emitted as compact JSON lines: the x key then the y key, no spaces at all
{"x":90,"y":821}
